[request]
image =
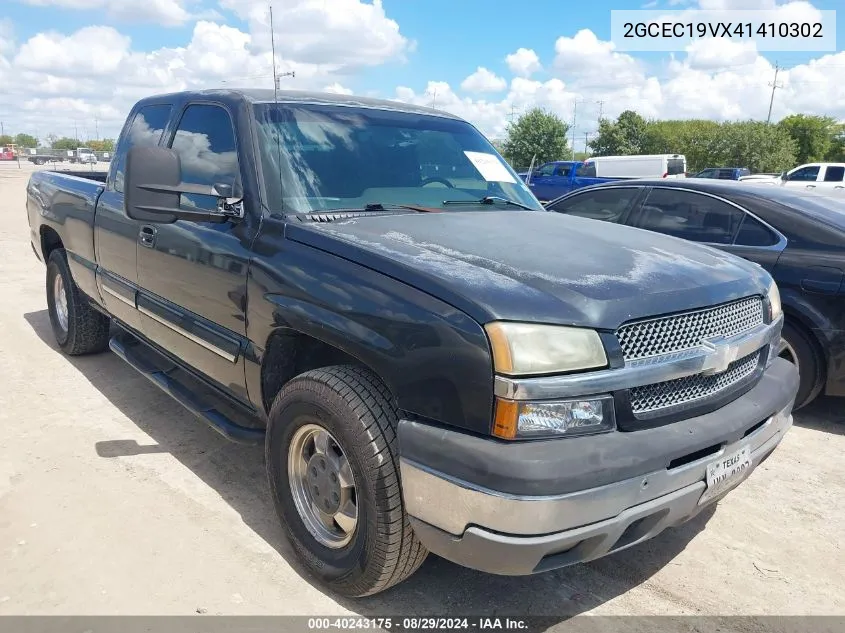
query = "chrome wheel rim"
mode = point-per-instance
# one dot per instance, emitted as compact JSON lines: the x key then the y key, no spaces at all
{"x":60,"y":301}
{"x":323,"y":486}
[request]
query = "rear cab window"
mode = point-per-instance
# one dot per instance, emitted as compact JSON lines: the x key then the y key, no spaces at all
{"x":146,"y":128}
{"x":834,"y":173}
{"x":586,"y":170}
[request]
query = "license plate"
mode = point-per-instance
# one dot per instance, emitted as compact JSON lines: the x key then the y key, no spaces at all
{"x":726,"y":472}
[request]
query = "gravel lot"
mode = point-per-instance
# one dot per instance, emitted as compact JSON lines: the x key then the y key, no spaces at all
{"x":114,"y":500}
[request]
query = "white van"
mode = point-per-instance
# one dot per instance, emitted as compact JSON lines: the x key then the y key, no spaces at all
{"x":643,"y":166}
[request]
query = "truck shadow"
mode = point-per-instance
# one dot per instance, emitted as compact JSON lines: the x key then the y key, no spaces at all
{"x":237,"y":474}
{"x":823,"y":414}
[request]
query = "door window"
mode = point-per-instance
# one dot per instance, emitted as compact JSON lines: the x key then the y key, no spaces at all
{"x":146,"y":129}
{"x":563,"y":170}
{"x":805,"y":174}
{"x":205,"y":142}
{"x":599,"y":204}
{"x":546,"y":170}
{"x":690,"y":216}
{"x":834,"y":174}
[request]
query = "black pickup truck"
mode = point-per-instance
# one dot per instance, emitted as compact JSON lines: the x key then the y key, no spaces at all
{"x":432,"y":360}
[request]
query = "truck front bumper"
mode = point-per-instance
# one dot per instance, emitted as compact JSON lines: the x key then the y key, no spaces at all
{"x":522,"y":508}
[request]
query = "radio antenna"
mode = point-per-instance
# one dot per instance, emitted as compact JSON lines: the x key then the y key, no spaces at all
{"x":273,"y":49}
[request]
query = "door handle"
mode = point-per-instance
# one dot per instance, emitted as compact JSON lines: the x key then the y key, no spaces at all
{"x":811,"y":186}
{"x":839,"y":187}
{"x":147,"y":236}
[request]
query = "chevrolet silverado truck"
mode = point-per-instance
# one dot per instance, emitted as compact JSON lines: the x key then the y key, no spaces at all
{"x":431,"y":363}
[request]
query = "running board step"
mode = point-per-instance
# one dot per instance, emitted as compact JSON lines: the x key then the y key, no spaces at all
{"x":166,"y":375}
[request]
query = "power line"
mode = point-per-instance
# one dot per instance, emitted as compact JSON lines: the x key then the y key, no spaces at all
{"x":775,"y":85}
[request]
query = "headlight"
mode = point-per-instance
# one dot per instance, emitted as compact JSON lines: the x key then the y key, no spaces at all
{"x":563,"y":418}
{"x":773,"y":296}
{"x":529,"y":348}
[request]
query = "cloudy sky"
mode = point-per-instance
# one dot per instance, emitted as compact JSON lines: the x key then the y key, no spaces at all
{"x":80,"y":64}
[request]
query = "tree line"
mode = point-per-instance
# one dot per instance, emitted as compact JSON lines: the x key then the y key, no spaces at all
{"x":759,"y":146}
{"x":53,"y":142}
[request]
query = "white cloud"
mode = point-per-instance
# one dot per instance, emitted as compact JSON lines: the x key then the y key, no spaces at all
{"x":523,"y":63}
{"x":705,"y":54}
{"x":338,"y":89}
{"x":482,"y":80}
{"x":164,"y":12}
{"x":349,"y":33}
{"x":93,"y":50}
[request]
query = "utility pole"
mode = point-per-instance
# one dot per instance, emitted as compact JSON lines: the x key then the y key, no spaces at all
{"x":75,"y":131}
{"x":2,"y":129}
{"x":513,"y":113}
{"x":574,"y":119}
{"x":434,"y":98}
{"x":273,"y":52}
{"x":96,"y":128}
{"x":586,"y":142}
{"x":279,"y":77}
{"x":775,"y":85}
{"x":601,"y":108}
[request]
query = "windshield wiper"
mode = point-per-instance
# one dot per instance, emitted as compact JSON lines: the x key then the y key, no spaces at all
{"x":491,"y":200}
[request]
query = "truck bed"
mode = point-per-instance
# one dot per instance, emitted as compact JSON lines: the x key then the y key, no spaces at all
{"x":63,"y":203}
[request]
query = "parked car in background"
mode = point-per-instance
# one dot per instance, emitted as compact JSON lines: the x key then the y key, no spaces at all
{"x":7,"y":153}
{"x":639,"y":166}
{"x":551,"y":180}
{"x":822,"y":178}
{"x":723,"y":173}
{"x":83,"y":155}
{"x":798,"y":237}
{"x":428,"y":360}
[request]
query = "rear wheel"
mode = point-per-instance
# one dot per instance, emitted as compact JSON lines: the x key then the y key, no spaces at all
{"x":78,"y":328}
{"x":802,"y":351}
{"x":332,"y":463}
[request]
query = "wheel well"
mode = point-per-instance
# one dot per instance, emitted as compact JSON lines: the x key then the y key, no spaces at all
{"x":50,"y":241}
{"x":799,"y":323}
{"x":289,"y":354}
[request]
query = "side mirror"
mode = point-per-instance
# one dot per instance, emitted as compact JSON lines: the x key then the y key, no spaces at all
{"x":153,"y":188}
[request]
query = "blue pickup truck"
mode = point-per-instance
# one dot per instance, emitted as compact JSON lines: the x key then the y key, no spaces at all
{"x":552,"y":180}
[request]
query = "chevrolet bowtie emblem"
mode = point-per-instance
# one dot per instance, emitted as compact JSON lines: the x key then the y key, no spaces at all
{"x":719,"y":356}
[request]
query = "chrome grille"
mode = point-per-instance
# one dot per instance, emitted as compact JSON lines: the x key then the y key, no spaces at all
{"x":684,"y":331}
{"x":685,"y":391}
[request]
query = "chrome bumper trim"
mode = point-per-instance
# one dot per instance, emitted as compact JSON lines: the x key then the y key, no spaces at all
{"x":452,"y":505}
{"x":712,"y":357}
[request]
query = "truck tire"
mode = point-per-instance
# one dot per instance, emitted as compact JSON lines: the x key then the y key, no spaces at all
{"x":801,"y":351}
{"x":78,"y":328}
{"x":331,"y":441}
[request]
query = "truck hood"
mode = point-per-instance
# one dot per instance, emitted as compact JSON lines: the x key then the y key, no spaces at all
{"x":539,"y":266}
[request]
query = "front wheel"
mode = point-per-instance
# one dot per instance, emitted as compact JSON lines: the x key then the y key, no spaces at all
{"x":801,"y":351}
{"x":333,"y":467}
{"x":78,"y":328}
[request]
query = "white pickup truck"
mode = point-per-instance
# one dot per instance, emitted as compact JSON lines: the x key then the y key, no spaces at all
{"x":826,"y":179}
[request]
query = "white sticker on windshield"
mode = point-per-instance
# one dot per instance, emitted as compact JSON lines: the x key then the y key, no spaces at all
{"x":490,"y":167}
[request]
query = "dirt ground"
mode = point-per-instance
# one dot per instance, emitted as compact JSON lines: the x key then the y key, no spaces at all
{"x":114,"y":500}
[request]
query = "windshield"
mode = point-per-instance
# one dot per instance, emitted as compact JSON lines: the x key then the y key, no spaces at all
{"x":319,"y":158}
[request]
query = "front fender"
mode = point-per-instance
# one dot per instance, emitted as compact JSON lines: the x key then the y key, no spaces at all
{"x":433,"y":357}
